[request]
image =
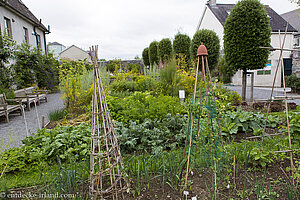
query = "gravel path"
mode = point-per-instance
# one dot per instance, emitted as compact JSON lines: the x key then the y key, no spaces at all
{"x":264,"y":93}
{"x":15,"y":130}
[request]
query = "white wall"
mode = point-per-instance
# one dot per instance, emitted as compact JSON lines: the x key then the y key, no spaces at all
{"x":74,"y":53}
{"x":210,"y":22}
{"x":17,"y":28}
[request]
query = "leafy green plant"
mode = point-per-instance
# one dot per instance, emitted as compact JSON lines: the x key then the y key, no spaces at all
{"x":64,"y":141}
{"x":152,"y":135}
{"x":141,"y":106}
{"x":293,"y":82}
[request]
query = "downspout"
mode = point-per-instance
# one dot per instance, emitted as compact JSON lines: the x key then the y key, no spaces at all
{"x":35,"y":34}
{"x":45,"y":43}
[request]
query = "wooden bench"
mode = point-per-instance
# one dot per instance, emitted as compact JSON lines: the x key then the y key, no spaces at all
{"x":6,"y":109}
{"x":24,"y":98}
{"x":41,"y":95}
{"x":31,"y":94}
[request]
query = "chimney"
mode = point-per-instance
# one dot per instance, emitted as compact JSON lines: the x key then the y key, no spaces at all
{"x":212,"y":2}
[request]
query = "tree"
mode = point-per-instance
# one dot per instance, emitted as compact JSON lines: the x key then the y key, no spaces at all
{"x":153,"y":56}
{"x":212,"y":42}
{"x":181,"y":45}
{"x":145,"y":56}
{"x":246,"y":28}
{"x":165,"y":50}
{"x":7,"y":49}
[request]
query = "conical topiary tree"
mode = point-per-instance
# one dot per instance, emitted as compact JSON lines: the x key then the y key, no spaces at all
{"x":165,"y":50}
{"x":153,"y":54}
{"x":145,"y":56}
{"x":212,"y":42}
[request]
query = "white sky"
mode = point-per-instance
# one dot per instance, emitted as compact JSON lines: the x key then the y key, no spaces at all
{"x":123,"y":28}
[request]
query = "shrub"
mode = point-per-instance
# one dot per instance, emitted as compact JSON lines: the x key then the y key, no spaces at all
{"x":181,"y":45}
{"x":165,"y":50}
{"x":145,"y":56}
{"x":134,"y":68}
{"x":153,"y":54}
{"x":212,"y":42}
{"x":293,"y":82}
{"x":57,"y":114}
{"x":225,"y":71}
{"x":169,"y":79}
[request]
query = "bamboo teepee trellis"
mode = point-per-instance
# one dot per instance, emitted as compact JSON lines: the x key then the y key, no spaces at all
{"x":107,"y":180}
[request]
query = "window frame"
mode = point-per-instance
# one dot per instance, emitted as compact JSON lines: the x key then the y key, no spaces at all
{"x":25,"y":34}
{"x":7,"y":26}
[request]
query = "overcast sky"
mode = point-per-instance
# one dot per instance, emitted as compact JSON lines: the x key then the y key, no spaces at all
{"x":123,"y":28}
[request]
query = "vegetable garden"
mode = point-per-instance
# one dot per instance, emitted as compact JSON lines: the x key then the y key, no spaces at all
{"x":151,"y":125}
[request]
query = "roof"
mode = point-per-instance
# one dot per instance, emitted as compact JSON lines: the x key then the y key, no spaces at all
{"x":55,"y":43}
{"x":221,"y":11}
{"x":293,"y":17}
{"x":19,"y":7}
{"x":74,"y":47}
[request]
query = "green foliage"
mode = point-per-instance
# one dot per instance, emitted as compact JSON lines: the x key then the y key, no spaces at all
{"x":181,"y":45}
{"x":212,"y":42}
{"x":113,"y":66}
{"x":170,"y":79}
{"x":225,"y":71}
{"x":64,"y":142}
{"x":243,"y":121}
{"x":13,"y":159}
{"x":165,"y":50}
{"x":7,"y":49}
{"x":27,"y":60}
{"x":151,"y":135}
{"x":134,"y":68}
{"x":293,"y":82}
{"x":153,"y":53}
{"x":76,"y":83}
{"x":145,"y":56}
{"x":32,"y":66}
{"x":122,"y":86}
{"x":245,"y":30}
{"x":57,"y":114}
{"x":141,"y":106}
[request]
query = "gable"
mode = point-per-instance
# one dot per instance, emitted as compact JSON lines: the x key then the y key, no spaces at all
{"x":19,"y":7}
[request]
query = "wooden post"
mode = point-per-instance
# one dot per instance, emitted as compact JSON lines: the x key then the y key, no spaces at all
{"x":43,"y":121}
{"x":244,"y":85}
{"x":252,"y":86}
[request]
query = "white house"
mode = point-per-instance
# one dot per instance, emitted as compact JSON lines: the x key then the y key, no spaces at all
{"x":19,"y":23}
{"x":56,"y":48}
{"x":213,"y":18}
{"x":75,"y":53}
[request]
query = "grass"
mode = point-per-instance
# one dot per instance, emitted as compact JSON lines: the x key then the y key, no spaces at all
{"x":57,"y":114}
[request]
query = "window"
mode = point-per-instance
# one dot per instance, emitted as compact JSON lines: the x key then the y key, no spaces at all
{"x":7,"y":26}
{"x":266,"y":70}
{"x":38,"y":40}
{"x":26,"y":39}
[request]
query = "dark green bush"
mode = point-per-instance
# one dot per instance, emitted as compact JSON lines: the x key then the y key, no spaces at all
{"x":145,"y":56}
{"x":181,"y":45}
{"x":123,"y":85}
{"x":165,"y":50}
{"x":212,"y":42}
{"x":153,"y":53}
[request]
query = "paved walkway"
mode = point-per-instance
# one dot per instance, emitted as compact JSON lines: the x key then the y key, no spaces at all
{"x":265,"y":92}
{"x":15,"y":130}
